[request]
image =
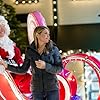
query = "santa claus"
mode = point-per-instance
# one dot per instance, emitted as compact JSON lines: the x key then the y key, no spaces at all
{"x":12,"y":55}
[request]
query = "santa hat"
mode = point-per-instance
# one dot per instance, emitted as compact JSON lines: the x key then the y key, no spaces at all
{"x":4,"y":23}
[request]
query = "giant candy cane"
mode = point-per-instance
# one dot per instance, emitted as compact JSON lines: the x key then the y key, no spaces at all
{"x":34,"y":19}
{"x":8,"y":88}
{"x":92,"y":61}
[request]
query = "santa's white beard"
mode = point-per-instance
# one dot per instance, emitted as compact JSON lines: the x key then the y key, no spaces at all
{"x":8,"y":45}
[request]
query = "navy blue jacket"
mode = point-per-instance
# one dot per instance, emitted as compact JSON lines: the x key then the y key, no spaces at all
{"x":42,"y":79}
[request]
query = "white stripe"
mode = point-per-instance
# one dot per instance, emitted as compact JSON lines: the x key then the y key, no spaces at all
{"x":2,"y":96}
{"x":17,"y":93}
{"x":66,"y":87}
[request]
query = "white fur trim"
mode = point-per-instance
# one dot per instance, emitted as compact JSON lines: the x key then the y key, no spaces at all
{"x":4,"y":22}
{"x":8,"y":45}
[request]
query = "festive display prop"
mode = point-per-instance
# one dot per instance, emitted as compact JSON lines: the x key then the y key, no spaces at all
{"x":92,"y":61}
{"x":68,"y":85}
{"x":34,"y":19}
{"x":8,"y":88}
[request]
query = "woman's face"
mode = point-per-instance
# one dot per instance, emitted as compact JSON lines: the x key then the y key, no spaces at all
{"x":44,"y":36}
{"x":2,"y":30}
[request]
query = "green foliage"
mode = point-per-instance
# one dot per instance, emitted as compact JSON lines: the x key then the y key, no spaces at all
{"x":18,"y":34}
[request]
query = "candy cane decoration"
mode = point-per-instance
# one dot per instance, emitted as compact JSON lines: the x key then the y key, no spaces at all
{"x":8,"y":88}
{"x":34,"y":19}
{"x":92,"y":61}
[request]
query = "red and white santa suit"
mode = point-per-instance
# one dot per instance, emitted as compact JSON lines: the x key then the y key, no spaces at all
{"x":12,"y":55}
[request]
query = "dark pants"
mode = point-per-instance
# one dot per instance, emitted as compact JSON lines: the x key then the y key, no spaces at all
{"x":50,"y":95}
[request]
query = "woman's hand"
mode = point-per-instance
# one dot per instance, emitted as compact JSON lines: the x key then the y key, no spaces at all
{"x":3,"y":63}
{"x":40,"y":64}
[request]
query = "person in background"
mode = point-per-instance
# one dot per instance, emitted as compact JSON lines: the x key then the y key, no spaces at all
{"x":12,"y":55}
{"x":44,"y":57}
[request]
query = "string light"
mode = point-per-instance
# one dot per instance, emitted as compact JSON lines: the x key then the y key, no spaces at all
{"x":54,"y":9}
{"x":54,"y":2}
{"x":55,"y":18}
{"x":26,"y":1}
{"x":55,"y":24}
{"x":16,"y":2}
{"x":29,"y":1}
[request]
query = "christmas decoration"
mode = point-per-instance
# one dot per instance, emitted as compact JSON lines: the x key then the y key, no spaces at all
{"x":18,"y":34}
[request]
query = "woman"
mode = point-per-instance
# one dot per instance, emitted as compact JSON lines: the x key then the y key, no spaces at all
{"x":45,"y":60}
{"x":12,"y":55}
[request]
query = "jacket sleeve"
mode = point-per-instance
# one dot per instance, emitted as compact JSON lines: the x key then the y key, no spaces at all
{"x":20,"y":69}
{"x":57,"y":66}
